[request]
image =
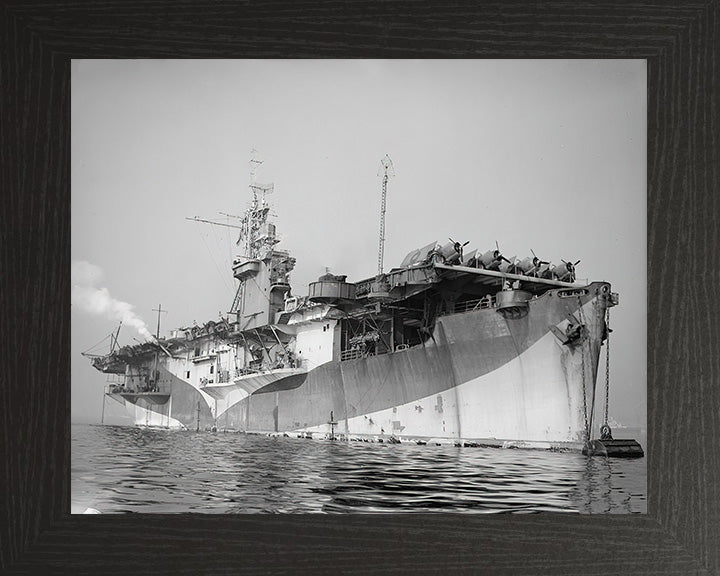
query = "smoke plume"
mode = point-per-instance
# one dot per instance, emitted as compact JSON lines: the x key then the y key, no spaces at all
{"x":97,"y":301}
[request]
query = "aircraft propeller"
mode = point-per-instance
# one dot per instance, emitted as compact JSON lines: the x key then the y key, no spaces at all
{"x":458,"y":247}
{"x":571,"y":269}
{"x":536,"y":261}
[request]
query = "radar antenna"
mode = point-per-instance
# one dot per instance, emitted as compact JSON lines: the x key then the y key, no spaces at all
{"x":386,"y":171}
{"x":255,"y":163}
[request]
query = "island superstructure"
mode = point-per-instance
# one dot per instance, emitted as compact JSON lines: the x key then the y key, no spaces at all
{"x":460,"y":347}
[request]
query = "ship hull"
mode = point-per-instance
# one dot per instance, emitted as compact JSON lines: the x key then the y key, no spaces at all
{"x":483,"y":376}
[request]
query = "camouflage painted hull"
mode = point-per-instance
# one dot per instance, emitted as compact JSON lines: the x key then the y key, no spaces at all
{"x":483,"y":376}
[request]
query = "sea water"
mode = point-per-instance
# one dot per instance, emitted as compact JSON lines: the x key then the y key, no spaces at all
{"x":133,"y":469}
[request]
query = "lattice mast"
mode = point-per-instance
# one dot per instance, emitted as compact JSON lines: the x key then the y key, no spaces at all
{"x":253,"y":236}
{"x":251,"y":223}
{"x":387,"y":172}
{"x":263,"y":271}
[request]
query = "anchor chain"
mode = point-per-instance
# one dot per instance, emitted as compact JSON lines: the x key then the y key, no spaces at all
{"x":605,"y":431}
{"x":582,"y":364}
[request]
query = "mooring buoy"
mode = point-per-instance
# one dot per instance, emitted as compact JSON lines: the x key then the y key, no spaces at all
{"x":614,"y":448}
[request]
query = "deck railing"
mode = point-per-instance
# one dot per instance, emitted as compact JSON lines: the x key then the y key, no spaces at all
{"x":470,"y":305}
{"x":354,"y":353}
{"x":351,"y":354}
{"x":136,"y":389}
{"x":115,"y":379}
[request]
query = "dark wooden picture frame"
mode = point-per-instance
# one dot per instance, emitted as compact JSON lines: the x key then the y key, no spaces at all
{"x":681,"y":532}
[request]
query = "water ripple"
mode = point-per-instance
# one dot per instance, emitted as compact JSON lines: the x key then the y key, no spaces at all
{"x":123,"y":469}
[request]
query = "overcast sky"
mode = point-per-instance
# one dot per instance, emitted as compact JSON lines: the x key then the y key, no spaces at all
{"x":537,"y":154}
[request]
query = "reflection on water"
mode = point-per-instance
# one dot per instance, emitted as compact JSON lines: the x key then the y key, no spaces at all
{"x":122,"y":469}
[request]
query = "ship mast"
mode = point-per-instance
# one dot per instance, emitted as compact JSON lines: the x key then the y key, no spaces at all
{"x":159,"y":310}
{"x":253,"y":235}
{"x":114,"y":338}
{"x":249,"y":224}
{"x":259,"y":263}
{"x":387,"y":172}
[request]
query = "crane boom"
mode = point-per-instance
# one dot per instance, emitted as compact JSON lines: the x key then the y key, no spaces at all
{"x":386,"y":171}
{"x":196,"y":219}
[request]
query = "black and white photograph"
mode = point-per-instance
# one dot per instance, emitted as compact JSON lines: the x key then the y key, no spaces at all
{"x":359,"y":286}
